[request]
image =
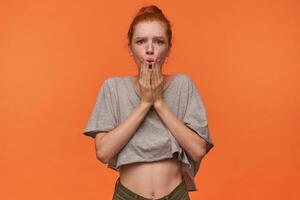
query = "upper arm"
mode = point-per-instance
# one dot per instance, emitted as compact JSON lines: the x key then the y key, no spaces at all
{"x":102,"y":118}
{"x":195,"y":114}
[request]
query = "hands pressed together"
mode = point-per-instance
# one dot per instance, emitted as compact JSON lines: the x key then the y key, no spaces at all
{"x":151,"y":83}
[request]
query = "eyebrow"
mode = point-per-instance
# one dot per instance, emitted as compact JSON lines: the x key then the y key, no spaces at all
{"x":156,"y":37}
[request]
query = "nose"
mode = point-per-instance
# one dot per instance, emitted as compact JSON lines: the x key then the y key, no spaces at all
{"x":149,"y":49}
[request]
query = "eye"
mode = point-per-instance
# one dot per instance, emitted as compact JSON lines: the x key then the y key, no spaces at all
{"x":139,"y":41}
{"x":160,"y":41}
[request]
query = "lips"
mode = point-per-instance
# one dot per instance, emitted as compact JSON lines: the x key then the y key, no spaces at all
{"x":150,"y":59}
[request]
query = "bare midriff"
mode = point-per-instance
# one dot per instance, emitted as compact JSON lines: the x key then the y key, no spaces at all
{"x":152,"y":180}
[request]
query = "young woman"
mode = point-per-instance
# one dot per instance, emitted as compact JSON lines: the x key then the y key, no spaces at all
{"x":151,"y":127}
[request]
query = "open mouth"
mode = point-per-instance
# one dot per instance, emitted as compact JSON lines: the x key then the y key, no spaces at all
{"x":150,"y":62}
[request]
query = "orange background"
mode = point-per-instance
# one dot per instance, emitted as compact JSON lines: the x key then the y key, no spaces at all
{"x":242,"y":55}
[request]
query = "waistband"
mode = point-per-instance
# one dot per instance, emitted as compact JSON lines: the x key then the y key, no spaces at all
{"x":178,"y":191}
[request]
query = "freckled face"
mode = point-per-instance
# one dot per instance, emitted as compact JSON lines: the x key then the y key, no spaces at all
{"x":150,"y":42}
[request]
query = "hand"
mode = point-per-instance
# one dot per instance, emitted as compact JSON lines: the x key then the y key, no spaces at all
{"x":157,"y":83}
{"x":144,"y":83}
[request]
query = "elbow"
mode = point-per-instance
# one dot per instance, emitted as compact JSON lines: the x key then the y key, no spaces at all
{"x":100,"y":153}
{"x":201,"y":152}
{"x":202,"y":149}
{"x":199,"y":156}
{"x":102,"y":157}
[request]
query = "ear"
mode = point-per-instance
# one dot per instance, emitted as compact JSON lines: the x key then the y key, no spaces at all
{"x":130,"y":51}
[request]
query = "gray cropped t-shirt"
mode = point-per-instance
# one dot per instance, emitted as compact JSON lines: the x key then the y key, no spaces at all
{"x":152,"y":140}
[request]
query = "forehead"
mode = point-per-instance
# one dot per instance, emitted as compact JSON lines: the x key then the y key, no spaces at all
{"x":148,"y":29}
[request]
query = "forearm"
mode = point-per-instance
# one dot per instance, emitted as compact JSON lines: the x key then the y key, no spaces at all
{"x":190,"y":141}
{"x":113,"y":141}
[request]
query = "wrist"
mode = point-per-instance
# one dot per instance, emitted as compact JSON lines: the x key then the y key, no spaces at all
{"x":158,"y":103}
{"x":145,"y":104}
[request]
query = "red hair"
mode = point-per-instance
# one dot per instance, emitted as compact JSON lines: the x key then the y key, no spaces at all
{"x":150,"y":13}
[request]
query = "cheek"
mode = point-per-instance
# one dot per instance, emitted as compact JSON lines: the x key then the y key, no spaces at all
{"x":137,"y":48}
{"x":137,"y":52}
{"x":162,"y":52}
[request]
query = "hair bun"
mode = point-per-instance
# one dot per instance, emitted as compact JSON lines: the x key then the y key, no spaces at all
{"x":150,"y":9}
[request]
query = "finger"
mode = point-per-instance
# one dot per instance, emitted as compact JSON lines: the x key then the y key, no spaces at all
{"x":145,"y":74}
{"x":141,"y":72}
{"x":148,"y":76}
{"x":158,"y":63}
{"x":142,"y":75}
{"x":155,"y":74}
{"x":159,"y":67}
{"x":152,"y":76}
{"x":160,"y":76}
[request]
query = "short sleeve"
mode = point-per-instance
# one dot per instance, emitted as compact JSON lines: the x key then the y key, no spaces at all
{"x":102,"y":116}
{"x":195,"y":114}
